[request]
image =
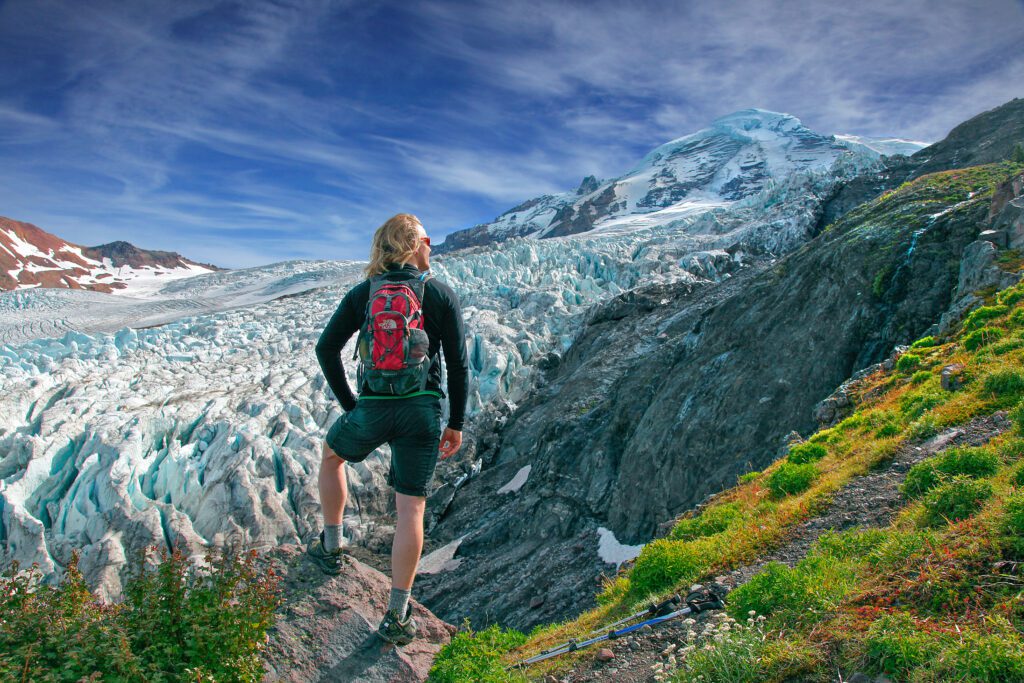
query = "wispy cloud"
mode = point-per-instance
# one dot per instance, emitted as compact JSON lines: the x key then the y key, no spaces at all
{"x":303,"y":124}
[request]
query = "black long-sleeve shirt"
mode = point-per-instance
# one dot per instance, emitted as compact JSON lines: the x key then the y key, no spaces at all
{"x":442,"y":321}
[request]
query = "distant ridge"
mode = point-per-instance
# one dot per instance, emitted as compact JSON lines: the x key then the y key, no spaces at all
{"x":31,"y":257}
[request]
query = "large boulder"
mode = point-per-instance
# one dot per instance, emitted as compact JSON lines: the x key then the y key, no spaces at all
{"x":326,"y":627}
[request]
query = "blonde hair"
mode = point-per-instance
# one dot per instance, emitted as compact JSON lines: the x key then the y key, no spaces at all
{"x":394,"y":242}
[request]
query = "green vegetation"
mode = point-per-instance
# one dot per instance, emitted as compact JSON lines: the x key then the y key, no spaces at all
{"x":956,"y":500}
{"x":790,"y":479}
{"x":803,"y":453}
{"x":924,"y":343}
{"x":1017,"y":156}
{"x":1006,"y":385}
{"x":920,"y":377}
{"x":983,"y":314}
{"x":907,"y":363}
{"x":982,"y":336}
{"x":177,"y":623}
{"x":476,"y":657}
{"x":969,"y":462}
{"x":710,"y":522}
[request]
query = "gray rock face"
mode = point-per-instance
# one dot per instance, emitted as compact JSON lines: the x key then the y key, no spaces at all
{"x":670,"y":392}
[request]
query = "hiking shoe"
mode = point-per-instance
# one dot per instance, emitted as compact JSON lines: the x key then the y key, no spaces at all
{"x":395,"y":630}
{"x":329,"y":561}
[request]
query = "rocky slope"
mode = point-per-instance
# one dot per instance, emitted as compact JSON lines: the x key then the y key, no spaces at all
{"x":670,"y":392}
{"x":31,"y":257}
{"x":986,"y":138}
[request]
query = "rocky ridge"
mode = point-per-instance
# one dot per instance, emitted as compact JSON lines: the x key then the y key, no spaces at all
{"x":31,"y":257}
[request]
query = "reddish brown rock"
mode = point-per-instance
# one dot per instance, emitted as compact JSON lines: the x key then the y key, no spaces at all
{"x":326,"y":628}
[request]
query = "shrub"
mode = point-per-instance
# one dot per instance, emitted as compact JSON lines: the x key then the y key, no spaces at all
{"x":899,"y":546}
{"x":1010,"y":295}
{"x":921,"y":478}
{"x":848,"y":545}
{"x":47,"y":631}
{"x":791,"y":478}
{"x":1018,"y":477}
{"x":925,"y":427}
{"x":825,"y":436}
{"x":1007,"y":385}
{"x":986,"y":335}
{"x":1017,"y":417}
{"x":887,"y":430}
{"x":712,"y":520}
{"x":924,"y":343}
{"x":747,"y":654}
{"x":802,"y":594}
{"x":1011,"y":450}
{"x":1013,"y":514}
{"x":748,"y":477}
{"x":1017,"y":318}
{"x":969,"y":462}
{"x":851,"y":422}
{"x":614,"y":591}
{"x":956,"y":500}
{"x":983,"y":314}
{"x":1004,"y":347}
{"x":665,"y":563}
{"x":920,"y":377}
{"x":806,"y":452}
{"x":177,"y":622}
{"x":476,"y":656}
{"x":908,"y":362}
{"x":997,"y":656}
{"x":919,"y":402}
{"x":895,"y":645}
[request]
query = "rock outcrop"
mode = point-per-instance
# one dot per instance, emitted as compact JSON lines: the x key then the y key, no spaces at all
{"x":326,"y":628}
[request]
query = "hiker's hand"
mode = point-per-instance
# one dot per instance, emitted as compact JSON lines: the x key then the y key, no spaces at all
{"x":451,"y":441}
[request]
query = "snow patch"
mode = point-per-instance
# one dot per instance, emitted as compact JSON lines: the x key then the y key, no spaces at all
{"x":517,"y":481}
{"x":613,"y":552}
{"x":442,"y":559}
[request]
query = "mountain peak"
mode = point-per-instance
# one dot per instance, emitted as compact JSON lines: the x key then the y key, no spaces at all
{"x":749,"y":119}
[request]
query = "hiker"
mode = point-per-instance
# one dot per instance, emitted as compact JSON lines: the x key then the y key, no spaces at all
{"x":399,"y":385}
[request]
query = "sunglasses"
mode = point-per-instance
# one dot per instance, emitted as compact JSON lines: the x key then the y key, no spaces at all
{"x":425,"y":239}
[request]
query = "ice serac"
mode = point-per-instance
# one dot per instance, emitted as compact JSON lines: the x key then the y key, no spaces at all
{"x":737,"y":157}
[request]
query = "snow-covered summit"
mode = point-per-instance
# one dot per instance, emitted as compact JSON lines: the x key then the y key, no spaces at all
{"x":737,"y":157}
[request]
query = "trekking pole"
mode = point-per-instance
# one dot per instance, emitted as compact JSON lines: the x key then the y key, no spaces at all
{"x":692,"y":607}
{"x":655,"y":609}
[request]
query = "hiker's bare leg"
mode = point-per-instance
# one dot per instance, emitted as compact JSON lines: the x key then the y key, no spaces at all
{"x":333,"y":486}
{"x":408,"y":543}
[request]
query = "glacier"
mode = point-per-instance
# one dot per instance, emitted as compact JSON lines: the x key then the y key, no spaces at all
{"x":194,"y":416}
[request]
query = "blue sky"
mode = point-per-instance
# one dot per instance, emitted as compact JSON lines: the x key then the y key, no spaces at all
{"x":242,"y":133}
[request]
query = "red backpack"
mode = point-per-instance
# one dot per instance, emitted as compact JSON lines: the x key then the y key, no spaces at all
{"x":392,"y":344}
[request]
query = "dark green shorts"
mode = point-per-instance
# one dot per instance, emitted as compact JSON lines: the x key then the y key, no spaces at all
{"x":411,"y":425}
